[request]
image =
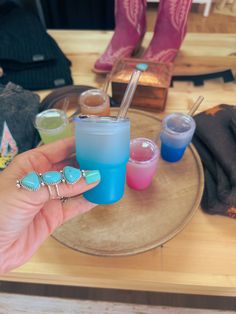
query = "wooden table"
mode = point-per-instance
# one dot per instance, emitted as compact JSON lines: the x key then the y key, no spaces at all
{"x":199,"y":260}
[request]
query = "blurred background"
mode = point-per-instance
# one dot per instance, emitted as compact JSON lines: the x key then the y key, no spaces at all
{"x":99,"y":14}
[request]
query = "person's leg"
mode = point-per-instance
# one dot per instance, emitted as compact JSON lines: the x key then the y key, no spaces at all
{"x":130,"y":26}
{"x":169,"y":31}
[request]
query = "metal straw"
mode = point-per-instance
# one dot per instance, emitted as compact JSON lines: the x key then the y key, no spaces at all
{"x":130,"y":89}
{"x":195,"y":105}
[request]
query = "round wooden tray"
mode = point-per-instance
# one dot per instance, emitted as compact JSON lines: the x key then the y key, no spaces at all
{"x":57,"y":98}
{"x":142,"y":220}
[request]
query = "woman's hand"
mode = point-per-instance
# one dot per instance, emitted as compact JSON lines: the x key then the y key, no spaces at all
{"x":28,"y":217}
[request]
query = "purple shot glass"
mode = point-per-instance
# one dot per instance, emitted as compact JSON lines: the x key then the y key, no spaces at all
{"x":176,"y":134}
{"x":142,"y":164}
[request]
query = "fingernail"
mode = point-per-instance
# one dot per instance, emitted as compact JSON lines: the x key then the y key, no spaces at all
{"x":92,"y":176}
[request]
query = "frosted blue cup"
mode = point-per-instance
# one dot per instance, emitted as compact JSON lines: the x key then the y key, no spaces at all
{"x":102,"y":143}
{"x":176,"y":134}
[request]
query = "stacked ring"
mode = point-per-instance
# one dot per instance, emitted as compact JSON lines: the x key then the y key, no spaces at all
{"x":70,"y":175}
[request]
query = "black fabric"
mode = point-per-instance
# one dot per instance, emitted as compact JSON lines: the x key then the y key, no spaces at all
{"x":215,"y":140}
{"x":28,"y":55}
{"x":22,"y":36}
{"x":55,"y":74}
{"x":18,"y":108}
{"x":82,"y":14}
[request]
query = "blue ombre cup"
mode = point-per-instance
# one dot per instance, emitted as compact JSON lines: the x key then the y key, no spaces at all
{"x":102,"y":143}
{"x":176,"y":133}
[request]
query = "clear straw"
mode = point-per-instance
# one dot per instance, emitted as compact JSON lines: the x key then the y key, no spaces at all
{"x":106,"y":83}
{"x":191,"y":112}
{"x":195,"y":105}
{"x":108,"y":79}
{"x":130,"y":90}
{"x":65,"y":105}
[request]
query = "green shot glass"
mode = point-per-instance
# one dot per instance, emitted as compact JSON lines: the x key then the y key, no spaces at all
{"x":53,"y":125}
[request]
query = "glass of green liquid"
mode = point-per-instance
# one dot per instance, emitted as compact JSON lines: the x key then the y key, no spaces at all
{"x":53,"y":125}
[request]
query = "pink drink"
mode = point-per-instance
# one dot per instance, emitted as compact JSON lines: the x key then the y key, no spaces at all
{"x":142,"y":164}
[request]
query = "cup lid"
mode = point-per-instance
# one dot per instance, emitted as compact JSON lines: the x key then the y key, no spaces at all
{"x":55,"y":126}
{"x":178,"y":124}
{"x":143,"y":150}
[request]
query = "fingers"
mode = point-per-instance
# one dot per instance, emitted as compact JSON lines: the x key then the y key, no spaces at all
{"x":45,"y":222}
{"x":55,"y":215}
{"x":43,"y":158}
{"x":71,"y":190}
{"x":59,"y":150}
{"x":68,"y":162}
{"x":43,"y":194}
{"x":76,"y":206}
{"x":87,"y":181}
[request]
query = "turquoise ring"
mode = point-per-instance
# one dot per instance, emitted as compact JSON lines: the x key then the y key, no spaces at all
{"x":70,"y":175}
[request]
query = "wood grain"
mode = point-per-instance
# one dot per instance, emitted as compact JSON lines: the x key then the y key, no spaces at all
{"x":199,"y":260}
{"x":216,"y":22}
{"x":142,"y":220}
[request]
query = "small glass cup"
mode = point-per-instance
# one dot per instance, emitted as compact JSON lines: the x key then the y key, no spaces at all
{"x":176,"y":134}
{"x":52,"y":125}
{"x":94,"y":102}
{"x":142,"y":164}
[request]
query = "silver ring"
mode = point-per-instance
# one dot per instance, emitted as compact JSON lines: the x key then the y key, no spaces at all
{"x":54,"y":192}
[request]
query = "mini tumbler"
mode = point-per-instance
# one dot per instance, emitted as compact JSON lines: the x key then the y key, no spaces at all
{"x":141,"y":168}
{"x":176,"y":133}
{"x":102,"y":143}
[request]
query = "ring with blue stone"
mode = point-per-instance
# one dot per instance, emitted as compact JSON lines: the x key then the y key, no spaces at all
{"x":33,"y":181}
{"x":71,"y":175}
{"x":51,"y":178}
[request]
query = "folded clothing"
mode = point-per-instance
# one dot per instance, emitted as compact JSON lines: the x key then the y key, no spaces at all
{"x":18,"y":108}
{"x":28,"y":55}
{"x":215,"y":141}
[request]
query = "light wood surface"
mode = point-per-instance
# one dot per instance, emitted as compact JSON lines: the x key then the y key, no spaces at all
{"x":218,"y":21}
{"x":199,"y":260}
{"x":141,"y":220}
{"x":18,"y":304}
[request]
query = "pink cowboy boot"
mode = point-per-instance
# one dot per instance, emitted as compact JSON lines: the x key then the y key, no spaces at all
{"x":130,"y":26}
{"x":169,"y":32}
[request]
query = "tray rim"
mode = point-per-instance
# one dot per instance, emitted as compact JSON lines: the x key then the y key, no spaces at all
{"x":165,"y":239}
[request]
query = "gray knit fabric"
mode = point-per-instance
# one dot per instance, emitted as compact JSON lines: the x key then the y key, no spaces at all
{"x":18,"y":108}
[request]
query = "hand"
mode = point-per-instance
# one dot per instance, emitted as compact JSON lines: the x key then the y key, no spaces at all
{"x":28,"y":217}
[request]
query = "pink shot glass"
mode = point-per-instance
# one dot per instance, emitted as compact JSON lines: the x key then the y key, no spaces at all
{"x":142,"y":164}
